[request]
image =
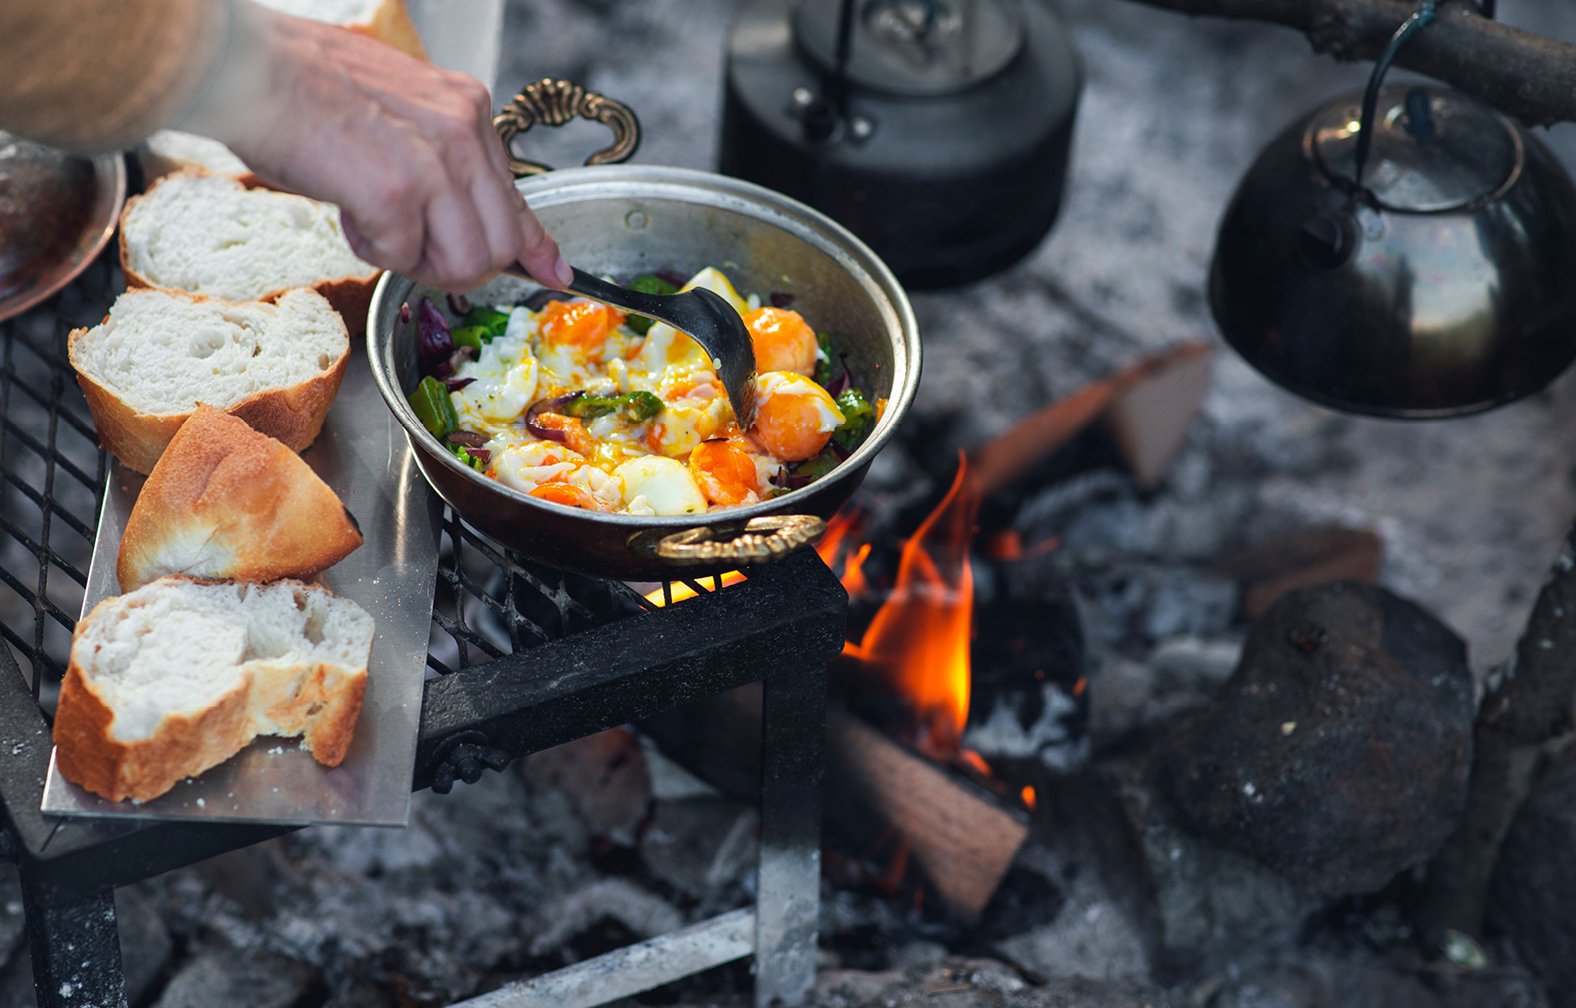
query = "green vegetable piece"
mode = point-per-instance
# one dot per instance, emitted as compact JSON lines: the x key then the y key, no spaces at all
{"x":638,"y":407}
{"x":589,"y":407}
{"x":820,"y":465}
{"x":858,"y":417}
{"x":432,"y":406}
{"x":635,"y":407}
{"x":471,"y":336}
{"x":466,"y":457}
{"x":491,"y":320}
{"x":647,"y":284}
{"x":824,"y":363}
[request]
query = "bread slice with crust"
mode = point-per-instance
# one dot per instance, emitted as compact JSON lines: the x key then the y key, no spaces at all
{"x":208,"y":234}
{"x":181,"y":674}
{"x":157,"y":354}
{"x":168,"y":151}
{"x":227,"y":502}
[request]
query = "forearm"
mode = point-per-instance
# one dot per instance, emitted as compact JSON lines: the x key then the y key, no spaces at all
{"x":98,"y":75}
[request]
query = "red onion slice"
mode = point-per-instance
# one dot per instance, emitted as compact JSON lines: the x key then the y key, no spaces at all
{"x":549,"y":406}
{"x":433,"y":332}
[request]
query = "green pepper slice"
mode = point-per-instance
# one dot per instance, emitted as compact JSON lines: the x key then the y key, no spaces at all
{"x":432,"y":406}
{"x":858,"y":417}
{"x":490,"y":320}
{"x":647,"y":284}
{"x":471,"y":336}
{"x":824,"y":363}
{"x":634,"y":407}
{"x":820,"y":465}
{"x":466,"y":457}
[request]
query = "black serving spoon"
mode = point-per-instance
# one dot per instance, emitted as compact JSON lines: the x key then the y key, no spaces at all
{"x":702,"y":315}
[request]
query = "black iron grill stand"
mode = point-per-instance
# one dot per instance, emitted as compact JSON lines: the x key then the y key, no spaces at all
{"x":566,"y":677}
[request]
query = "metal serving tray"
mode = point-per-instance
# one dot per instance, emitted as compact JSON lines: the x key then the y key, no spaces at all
{"x":363,"y":455}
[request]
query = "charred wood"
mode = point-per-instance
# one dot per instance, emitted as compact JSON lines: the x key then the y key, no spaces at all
{"x":1520,"y":73}
{"x":1527,"y":706}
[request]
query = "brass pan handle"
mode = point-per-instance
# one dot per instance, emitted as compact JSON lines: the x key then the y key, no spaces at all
{"x":769,"y":537}
{"x":553,"y":102}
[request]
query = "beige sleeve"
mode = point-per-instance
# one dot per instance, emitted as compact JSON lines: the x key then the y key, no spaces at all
{"x":99,"y":75}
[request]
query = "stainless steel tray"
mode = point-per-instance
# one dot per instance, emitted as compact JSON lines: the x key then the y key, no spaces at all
{"x":363,"y":455}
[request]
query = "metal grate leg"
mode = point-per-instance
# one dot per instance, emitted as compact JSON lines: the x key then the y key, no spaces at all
{"x":76,"y":951}
{"x":788,"y":894}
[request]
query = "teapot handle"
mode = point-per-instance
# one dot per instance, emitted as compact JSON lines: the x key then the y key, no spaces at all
{"x":554,"y":102}
{"x":1418,"y":20}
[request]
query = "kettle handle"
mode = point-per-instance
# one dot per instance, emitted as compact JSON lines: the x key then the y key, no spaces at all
{"x":554,"y":102}
{"x":1418,"y":20}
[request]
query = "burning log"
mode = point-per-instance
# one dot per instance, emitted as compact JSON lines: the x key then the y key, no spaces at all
{"x":1525,"y":75}
{"x":933,"y":827}
{"x":1300,"y":558}
{"x":1148,"y":407}
{"x":960,"y":839}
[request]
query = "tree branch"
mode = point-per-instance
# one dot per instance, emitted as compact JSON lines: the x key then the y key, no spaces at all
{"x":1524,"y":75}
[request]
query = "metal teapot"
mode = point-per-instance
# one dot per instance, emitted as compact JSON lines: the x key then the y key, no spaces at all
{"x":938,"y":131}
{"x":1408,"y":252}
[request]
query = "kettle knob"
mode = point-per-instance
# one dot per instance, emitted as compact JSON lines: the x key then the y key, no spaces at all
{"x":1326,"y":240}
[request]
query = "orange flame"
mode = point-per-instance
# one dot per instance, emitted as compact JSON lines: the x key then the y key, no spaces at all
{"x":682,"y":591}
{"x":919,"y":640}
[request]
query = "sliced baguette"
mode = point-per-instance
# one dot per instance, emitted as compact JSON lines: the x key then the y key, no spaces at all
{"x":208,"y":234}
{"x":181,"y":674}
{"x":169,"y":151}
{"x":158,"y":354}
{"x":387,"y":21}
{"x":227,"y":502}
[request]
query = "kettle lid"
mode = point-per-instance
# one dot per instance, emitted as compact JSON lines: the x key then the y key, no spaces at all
{"x":1433,"y":149}
{"x":914,"y":48}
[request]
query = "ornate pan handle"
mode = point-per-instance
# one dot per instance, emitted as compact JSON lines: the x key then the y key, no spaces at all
{"x":769,"y":537}
{"x":553,"y":102}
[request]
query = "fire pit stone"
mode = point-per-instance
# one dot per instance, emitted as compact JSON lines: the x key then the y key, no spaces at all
{"x":1210,"y":906}
{"x":1338,"y":752}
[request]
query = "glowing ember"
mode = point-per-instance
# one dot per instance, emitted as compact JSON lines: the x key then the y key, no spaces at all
{"x":682,"y":591}
{"x":1027,"y":794}
{"x":918,"y":642}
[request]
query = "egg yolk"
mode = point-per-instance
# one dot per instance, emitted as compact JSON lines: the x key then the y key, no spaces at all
{"x":724,"y":471}
{"x":567,"y":494}
{"x":794,"y":417}
{"x":783,"y":341}
{"x":579,"y":325}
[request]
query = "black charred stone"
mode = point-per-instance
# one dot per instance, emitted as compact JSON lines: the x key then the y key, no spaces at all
{"x":1337,"y":754}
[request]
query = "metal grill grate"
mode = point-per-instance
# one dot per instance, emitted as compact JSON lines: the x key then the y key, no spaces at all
{"x":53,"y":473}
{"x":488,"y":602}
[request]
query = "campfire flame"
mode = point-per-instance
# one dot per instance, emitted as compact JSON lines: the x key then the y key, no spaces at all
{"x":681,"y":591}
{"x":918,"y":642}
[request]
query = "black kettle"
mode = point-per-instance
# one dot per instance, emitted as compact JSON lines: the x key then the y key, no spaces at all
{"x":1429,"y":272}
{"x":937,"y":131}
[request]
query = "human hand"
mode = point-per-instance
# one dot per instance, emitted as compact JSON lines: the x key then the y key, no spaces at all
{"x":406,"y":149}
